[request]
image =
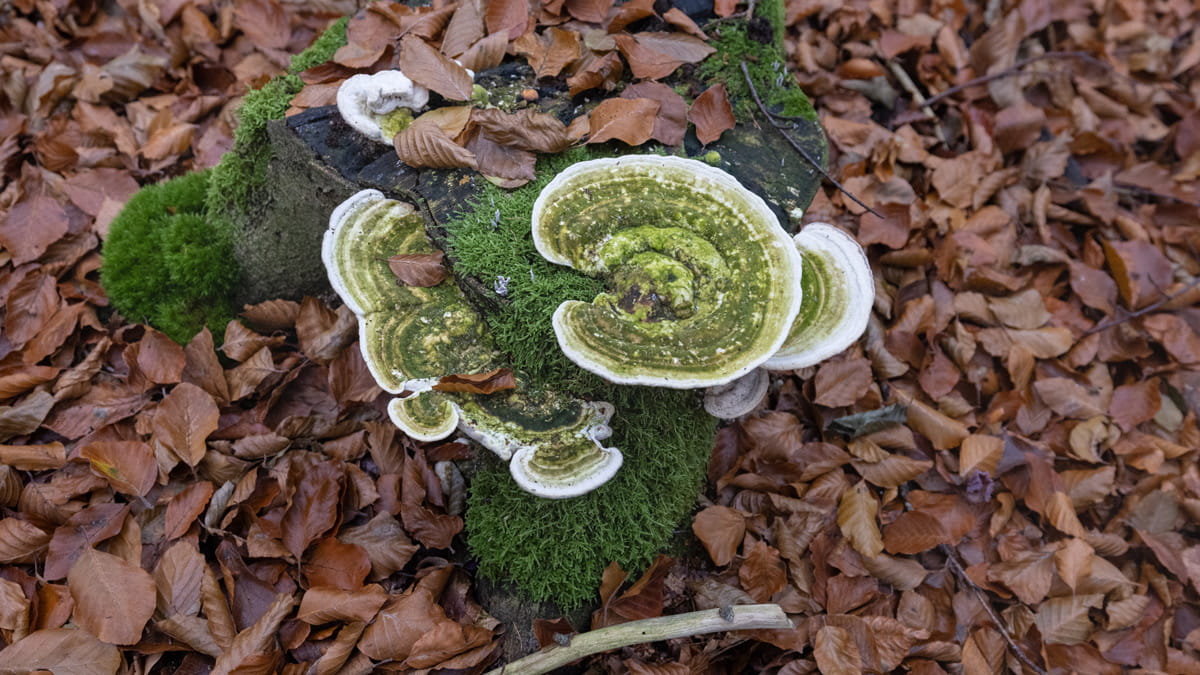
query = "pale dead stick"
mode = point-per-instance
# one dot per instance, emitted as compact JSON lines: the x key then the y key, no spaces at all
{"x":732,"y":617}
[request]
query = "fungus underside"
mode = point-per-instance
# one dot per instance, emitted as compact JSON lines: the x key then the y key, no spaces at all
{"x":558,"y":549}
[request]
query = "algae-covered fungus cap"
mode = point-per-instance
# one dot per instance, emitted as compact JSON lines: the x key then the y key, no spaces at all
{"x":380,"y":105}
{"x":412,"y":336}
{"x":838,"y":291}
{"x":702,"y":279}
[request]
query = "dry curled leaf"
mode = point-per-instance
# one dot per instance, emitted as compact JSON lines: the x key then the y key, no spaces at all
{"x":433,"y":70}
{"x":712,"y":114}
{"x":425,"y":144}
{"x":628,"y":120}
{"x":418,"y":269}
{"x":490,"y":382}
{"x":720,"y":529}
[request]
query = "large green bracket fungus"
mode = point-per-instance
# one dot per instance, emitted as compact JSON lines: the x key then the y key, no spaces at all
{"x":705,"y":285}
{"x":702,"y":276}
{"x":413,"y":336}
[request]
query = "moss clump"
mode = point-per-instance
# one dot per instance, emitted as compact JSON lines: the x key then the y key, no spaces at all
{"x":166,"y":263}
{"x":168,"y":258}
{"x":766,"y":62}
{"x":557,"y":549}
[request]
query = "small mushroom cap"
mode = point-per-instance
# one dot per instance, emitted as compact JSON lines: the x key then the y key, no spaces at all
{"x":741,"y":397}
{"x":365,"y":100}
{"x":838,"y":290}
{"x":703,"y":275}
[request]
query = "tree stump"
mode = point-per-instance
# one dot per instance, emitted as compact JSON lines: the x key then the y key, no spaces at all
{"x":318,"y":161}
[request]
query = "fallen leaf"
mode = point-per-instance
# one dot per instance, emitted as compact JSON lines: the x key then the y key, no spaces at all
{"x":653,"y":55}
{"x":337,"y":564}
{"x":178,"y":578}
{"x":670,"y":124}
{"x":856,"y":518}
{"x":490,"y":382}
{"x":628,"y":12}
{"x":486,"y":53}
{"x":21,"y":541}
{"x":185,"y":507}
{"x":424,"y":144}
{"x":265,"y":22}
{"x":62,"y":651}
{"x":433,"y":70}
{"x":113,"y":599}
{"x":841,"y":382}
{"x":628,"y":120}
{"x":762,"y":572}
{"x":712,"y":114}
{"x":1065,"y":620}
{"x":324,"y":605}
{"x":386,"y":542}
{"x":400,"y":624}
{"x":465,"y":28}
{"x":314,"y":507}
{"x":590,"y":11}
{"x":256,"y":650}
{"x":526,"y":129}
{"x":599,"y":73}
{"x":510,"y":17}
{"x":83,"y":530}
{"x":184,"y":420}
{"x":720,"y":529}
{"x":128,"y":466}
{"x":34,"y":457}
{"x":418,"y":269}
{"x":836,"y":652}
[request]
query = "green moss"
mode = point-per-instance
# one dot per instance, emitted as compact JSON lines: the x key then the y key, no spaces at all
{"x":244,"y":167}
{"x":167,"y":264}
{"x":766,"y":62}
{"x":557,"y":549}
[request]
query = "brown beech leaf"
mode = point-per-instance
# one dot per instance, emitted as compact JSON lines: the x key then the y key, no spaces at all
{"x":1135,"y":403}
{"x":28,"y":243}
{"x":712,"y":114}
{"x":505,"y":166}
{"x":265,"y":22}
{"x":62,"y":651}
{"x":1065,"y":620}
{"x":424,"y":144}
{"x":178,"y":578}
{"x":324,"y":605}
{"x":336,"y":564}
{"x":400,"y":624}
{"x":21,"y":541}
{"x":465,"y":28}
{"x":445,"y":640}
{"x":589,"y":11}
{"x":628,"y":120}
{"x":644,"y":599}
{"x":720,"y":529}
{"x":433,"y":70}
{"x":128,"y":466}
{"x":1140,"y":269}
{"x":256,"y":650}
{"x":856,"y":518}
{"x":600,"y":73}
{"x":762,"y":573}
{"x":490,"y":382}
{"x":183,"y":421}
{"x":526,"y":129}
{"x":836,"y":652}
{"x":842,"y":382}
{"x":34,"y":457}
{"x":1027,"y":574}
{"x":486,"y":53}
{"x":83,"y":530}
{"x":185,"y":507}
{"x":314,"y":507}
{"x":160,"y":358}
{"x":245,"y":378}
{"x":670,"y":124}
{"x":677,"y":18}
{"x":386,"y":542}
{"x":510,"y":17}
{"x":418,"y":269}
{"x":17,"y":381}
{"x":562,"y":50}
{"x":653,"y":56}
{"x":324,"y":332}
{"x":113,"y":599}
{"x":628,"y":12}
{"x":546,"y":630}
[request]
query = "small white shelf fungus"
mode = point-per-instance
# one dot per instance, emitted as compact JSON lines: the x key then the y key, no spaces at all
{"x":838,"y":290}
{"x":413,"y":336}
{"x":380,"y":105}
{"x":741,"y":397}
{"x":702,"y":277}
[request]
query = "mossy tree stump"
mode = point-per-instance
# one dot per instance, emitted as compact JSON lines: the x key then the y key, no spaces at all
{"x":317,"y":161}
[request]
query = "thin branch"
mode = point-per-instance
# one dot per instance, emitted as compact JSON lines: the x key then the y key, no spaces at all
{"x":1014,"y":69}
{"x":1105,"y":325}
{"x":981,"y":596}
{"x":732,"y":617}
{"x":772,"y":118}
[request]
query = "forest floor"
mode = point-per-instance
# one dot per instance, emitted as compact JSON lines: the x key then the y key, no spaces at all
{"x":1033,"y":169}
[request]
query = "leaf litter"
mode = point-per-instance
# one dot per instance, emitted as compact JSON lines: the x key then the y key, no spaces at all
{"x":1002,"y":477}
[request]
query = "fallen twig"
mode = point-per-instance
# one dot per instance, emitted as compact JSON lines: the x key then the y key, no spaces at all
{"x":981,"y":596}
{"x":772,"y":118}
{"x":1014,"y":69}
{"x":1105,"y":325}
{"x":733,"y":617}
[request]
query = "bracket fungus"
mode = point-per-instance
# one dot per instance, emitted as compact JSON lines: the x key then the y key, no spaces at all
{"x":411,"y":337}
{"x":702,"y":277}
{"x":380,"y":105}
{"x":838,"y":291}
